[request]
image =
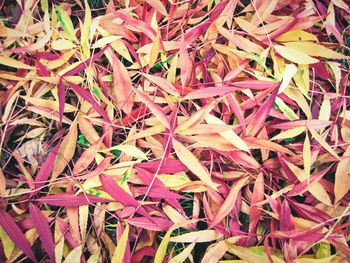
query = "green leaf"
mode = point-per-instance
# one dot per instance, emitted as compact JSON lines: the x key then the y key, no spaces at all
{"x":82,"y":141}
{"x":66,"y":22}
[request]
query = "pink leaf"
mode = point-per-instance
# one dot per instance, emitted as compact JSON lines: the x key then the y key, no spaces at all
{"x":258,"y":119}
{"x":118,"y":193}
{"x":61,"y":98}
{"x":122,"y":85}
{"x":15,"y":234}
{"x":69,"y":200}
{"x":43,"y":230}
{"x":258,"y":196}
{"x":87,"y":63}
{"x":159,"y":224}
{"x":168,"y":166}
{"x":88,"y":97}
{"x":154,"y":108}
{"x":46,"y":169}
{"x":209,"y":92}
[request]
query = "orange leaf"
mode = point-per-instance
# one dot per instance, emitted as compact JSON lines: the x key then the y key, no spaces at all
{"x":87,"y":157}
{"x":230,"y":201}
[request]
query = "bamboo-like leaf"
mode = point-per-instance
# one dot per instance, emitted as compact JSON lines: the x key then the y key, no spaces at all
{"x":43,"y":230}
{"x":16,"y":235}
{"x":192,"y":163}
{"x":121,"y":246}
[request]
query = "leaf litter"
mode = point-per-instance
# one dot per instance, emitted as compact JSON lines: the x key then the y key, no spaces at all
{"x":174,"y":131}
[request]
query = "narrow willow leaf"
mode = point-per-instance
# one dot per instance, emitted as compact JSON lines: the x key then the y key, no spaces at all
{"x":307,"y":157}
{"x":229,"y":135}
{"x":192,"y":163}
{"x":119,"y":251}
{"x":342,"y":176}
{"x":290,"y":133}
{"x":183,"y":255}
{"x":294,"y":55}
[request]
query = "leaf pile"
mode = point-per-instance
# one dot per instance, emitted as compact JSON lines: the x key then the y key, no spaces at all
{"x":174,"y":131}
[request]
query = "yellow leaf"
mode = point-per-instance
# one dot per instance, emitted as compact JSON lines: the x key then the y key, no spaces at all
{"x":252,"y":254}
{"x":192,"y":163}
{"x":323,"y":143}
{"x":2,"y":184}
{"x":288,"y":74}
{"x":197,"y":236}
{"x":297,"y":96}
{"x":51,"y":104}
{"x":324,"y":250}
{"x":174,"y":215}
{"x":74,"y":255}
{"x":174,"y":181}
{"x":341,"y":4}
{"x":181,"y":257}
{"x":94,"y":258}
{"x":62,"y":44}
{"x":335,"y":67}
{"x":35,"y":133}
{"x":14,"y":63}
{"x":196,"y":118}
{"x":121,"y":49}
{"x":289,"y":133}
{"x":59,"y":244}
{"x":287,"y":111}
{"x":302,"y":79}
{"x":161,"y":251}
{"x":172,"y":70}
{"x":319,"y":260}
{"x":11,"y":103}
{"x":342,"y":176}
{"x":121,"y":246}
{"x":83,"y":220}
{"x":245,"y":25}
{"x":315,"y":50}
{"x":229,"y":135}
{"x":105,"y":41}
{"x":61,"y":61}
{"x":215,"y":253}
{"x":65,"y":22}
{"x":85,"y":29}
{"x":294,"y":55}
{"x":296,"y":35}
{"x":155,"y":50}
{"x":325,"y":110}
{"x":7,"y":243}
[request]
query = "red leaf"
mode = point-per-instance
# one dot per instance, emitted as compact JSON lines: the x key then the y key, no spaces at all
{"x":43,"y":230}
